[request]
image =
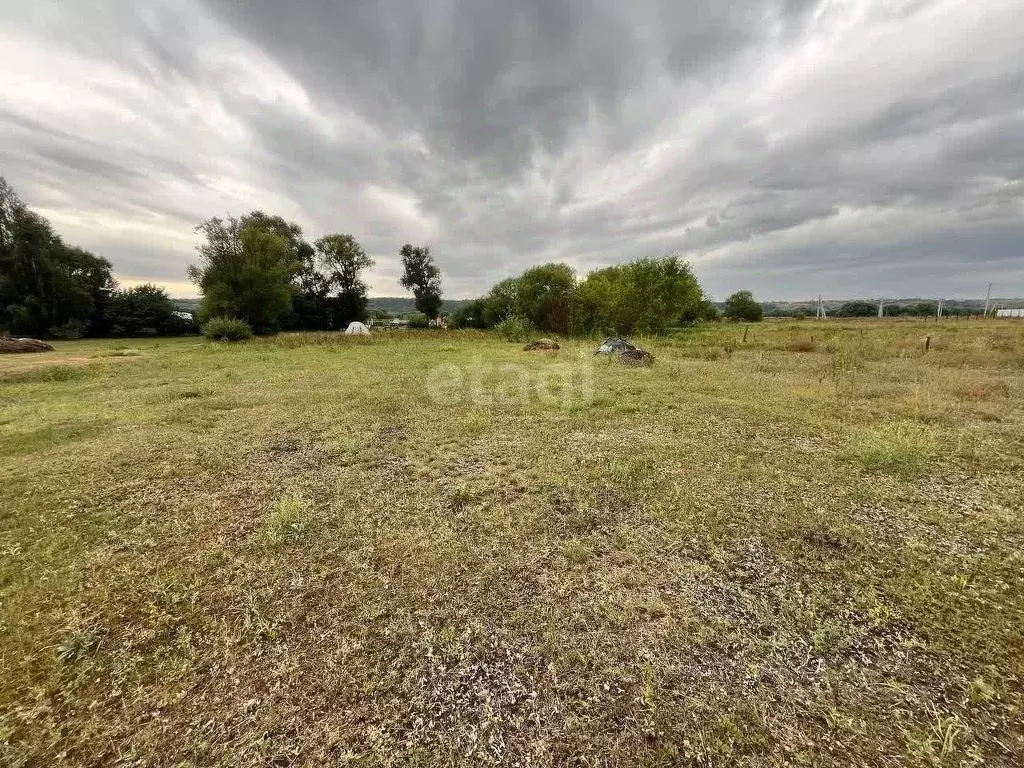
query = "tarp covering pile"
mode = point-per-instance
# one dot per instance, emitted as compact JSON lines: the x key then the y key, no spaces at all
{"x":627,"y":352}
{"x":613,"y":345}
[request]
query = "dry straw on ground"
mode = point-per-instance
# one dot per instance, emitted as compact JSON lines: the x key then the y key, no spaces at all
{"x":284,"y":552}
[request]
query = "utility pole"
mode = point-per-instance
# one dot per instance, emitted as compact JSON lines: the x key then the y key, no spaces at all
{"x":988,"y":296}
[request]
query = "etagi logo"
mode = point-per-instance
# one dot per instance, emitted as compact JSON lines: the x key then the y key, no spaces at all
{"x":555,"y":384}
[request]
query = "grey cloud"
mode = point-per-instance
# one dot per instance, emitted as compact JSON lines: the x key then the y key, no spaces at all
{"x":509,"y":133}
{"x":493,"y":82}
{"x":61,"y":163}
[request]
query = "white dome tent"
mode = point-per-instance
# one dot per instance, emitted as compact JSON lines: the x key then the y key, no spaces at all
{"x":357,"y":329}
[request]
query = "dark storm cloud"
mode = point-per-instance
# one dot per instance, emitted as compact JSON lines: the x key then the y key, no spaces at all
{"x":797,"y":146}
{"x":492,"y":82}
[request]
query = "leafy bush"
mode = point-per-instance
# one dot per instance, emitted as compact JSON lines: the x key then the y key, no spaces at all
{"x":145,"y":310}
{"x":702,"y":311}
{"x":72,"y":329}
{"x":742,"y":306}
{"x":644,"y":296}
{"x":543,"y":296}
{"x":227,"y":329}
{"x":472,"y":315}
{"x":418,"y":320}
{"x":515,"y":328}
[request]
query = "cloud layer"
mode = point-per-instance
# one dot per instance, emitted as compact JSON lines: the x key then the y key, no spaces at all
{"x":794,"y":147}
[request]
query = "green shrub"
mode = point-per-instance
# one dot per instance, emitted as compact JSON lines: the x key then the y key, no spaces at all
{"x":515,"y":328}
{"x":227,"y":329}
{"x":742,"y":306}
{"x":417,"y":320}
{"x":72,"y":329}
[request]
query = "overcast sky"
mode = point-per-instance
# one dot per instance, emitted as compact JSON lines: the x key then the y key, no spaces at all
{"x":847,"y":147}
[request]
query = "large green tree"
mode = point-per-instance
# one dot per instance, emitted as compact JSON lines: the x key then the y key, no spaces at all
{"x":544,"y":295}
{"x":245,"y":270}
{"x":471,"y":315}
{"x":421,"y":276}
{"x":46,"y":287}
{"x":742,"y":306}
{"x":858,"y":309}
{"x":342,"y":258}
{"x":145,"y":310}
{"x":311,"y":305}
{"x":642,"y":296}
{"x":703,"y":311}
{"x":501,"y":302}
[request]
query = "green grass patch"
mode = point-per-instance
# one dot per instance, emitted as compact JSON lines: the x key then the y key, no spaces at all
{"x":287,"y":521}
{"x":904,"y":450}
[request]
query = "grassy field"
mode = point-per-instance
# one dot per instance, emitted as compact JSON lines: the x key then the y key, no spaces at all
{"x":806,"y":548}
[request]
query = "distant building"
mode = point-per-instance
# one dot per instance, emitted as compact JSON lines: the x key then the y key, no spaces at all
{"x":183,"y":315}
{"x":1019,"y":312}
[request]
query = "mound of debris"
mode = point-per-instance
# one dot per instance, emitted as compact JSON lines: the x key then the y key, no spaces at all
{"x":23,"y":345}
{"x":636,"y":357}
{"x":627,"y":352}
{"x":540,"y":344}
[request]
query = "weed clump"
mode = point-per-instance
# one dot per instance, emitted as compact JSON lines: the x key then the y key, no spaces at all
{"x":227,"y":329}
{"x":287,"y":520}
{"x":62,"y":373}
{"x":48,"y":374}
{"x":78,"y":646}
{"x":802,"y":345}
{"x":576,"y":552}
{"x":896,"y":450}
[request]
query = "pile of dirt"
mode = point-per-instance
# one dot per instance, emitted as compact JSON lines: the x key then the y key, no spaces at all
{"x":627,"y":352}
{"x":636,"y":357}
{"x":540,"y":344}
{"x":23,"y":345}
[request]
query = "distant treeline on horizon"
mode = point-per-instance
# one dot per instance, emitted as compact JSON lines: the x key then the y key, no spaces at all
{"x":402,"y":305}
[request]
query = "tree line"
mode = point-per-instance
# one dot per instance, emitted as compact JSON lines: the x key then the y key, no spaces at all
{"x":261,"y":270}
{"x":258,"y":269}
{"x":907,"y":309}
{"x":645,"y":296}
{"x":51,"y":289}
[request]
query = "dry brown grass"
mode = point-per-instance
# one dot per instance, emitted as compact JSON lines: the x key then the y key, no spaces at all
{"x":285,"y":552}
